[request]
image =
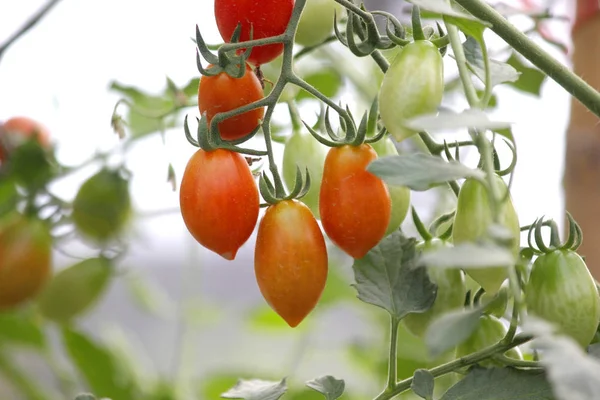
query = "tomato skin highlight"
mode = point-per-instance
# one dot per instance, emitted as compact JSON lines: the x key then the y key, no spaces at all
{"x":472,"y":220}
{"x":290,"y":260}
{"x":219,"y":200}
{"x":412,"y":86}
{"x":267,"y":18}
{"x":18,"y":128}
{"x":25,"y":259}
{"x":222,"y":93}
{"x":562,"y":291}
{"x":355,"y":205}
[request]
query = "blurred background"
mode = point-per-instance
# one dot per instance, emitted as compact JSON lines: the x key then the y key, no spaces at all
{"x":178,"y":312}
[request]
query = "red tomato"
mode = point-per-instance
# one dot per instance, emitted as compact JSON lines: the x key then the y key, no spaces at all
{"x":222,"y":93}
{"x":17,"y":129}
{"x":290,"y":260}
{"x":25,"y":259}
{"x":219,"y":200}
{"x":267,"y":18}
{"x":355,"y":205}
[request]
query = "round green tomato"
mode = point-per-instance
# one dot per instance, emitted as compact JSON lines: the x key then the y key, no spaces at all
{"x":490,"y":331}
{"x":562,"y":291}
{"x":271,"y":72}
{"x":74,"y":290}
{"x":412,"y":86}
{"x":102,"y":206}
{"x":451,"y":291}
{"x":471,"y":222}
{"x":400,"y":194}
{"x":304,"y":151}
{"x":316,"y":22}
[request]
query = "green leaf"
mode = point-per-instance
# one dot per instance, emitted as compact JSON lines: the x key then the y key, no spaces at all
{"x":450,"y":330}
{"x":8,"y":195}
{"x":98,"y":366}
{"x":85,"y":396}
{"x":450,"y":120}
{"x":443,"y":8}
{"x":330,"y":387}
{"x":256,"y":389}
{"x":420,"y":171}
{"x":468,"y":255}
{"x":191,"y":89}
{"x":469,"y":27}
{"x":502,"y":383}
{"x":19,"y":328}
{"x":530,"y":80}
{"x":388,"y":277}
{"x":328,"y":81}
{"x":423,"y":384}
{"x":500,"y":72}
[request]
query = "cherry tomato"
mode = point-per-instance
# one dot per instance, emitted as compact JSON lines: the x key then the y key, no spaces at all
{"x":266,"y":18}
{"x":74,"y":290}
{"x":25,"y":259}
{"x":222,"y":93}
{"x":451,"y":291}
{"x":400,"y":195}
{"x":17,"y":129}
{"x":412,"y":86}
{"x":562,"y":291}
{"x":219,"y":200}
{"x":316,"y":22}
{"x":102,"y":206}
{"x":355,"y":205}
{"x":471,"y":222}
{"x":290,"y":260}
{"x":303,"y":150}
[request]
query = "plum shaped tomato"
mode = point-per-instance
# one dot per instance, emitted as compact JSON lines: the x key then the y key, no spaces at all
{"x":219,"y":200}
{"x":290,"y":260}
{"x":266,"y":18}
{"x":25,"y":259}
{"x":222,"y":93}
{"x":355,"y":205}
{"x":17,"y":129}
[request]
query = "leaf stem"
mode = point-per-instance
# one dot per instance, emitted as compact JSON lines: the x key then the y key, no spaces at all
{"x":461,"y":63}
{"x":392,"y":362}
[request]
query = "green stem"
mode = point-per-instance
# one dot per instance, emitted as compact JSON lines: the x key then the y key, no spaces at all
{"x":487,"y":94}
{"x":393,"y":356}
{"x":517,"y":363}
{"x":21,"y":381}
{"x":572,"y":83}
{"x":461,"y":63}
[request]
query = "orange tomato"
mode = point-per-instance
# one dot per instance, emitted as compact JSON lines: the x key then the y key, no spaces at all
{"x":17,"y":129}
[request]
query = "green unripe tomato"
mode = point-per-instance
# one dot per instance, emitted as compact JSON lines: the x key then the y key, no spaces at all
{"x":496,"y":304}
{"x":316,"y":22}
{"x":74,"y":290}
{"x":451,"y":292}
{"x":400,"y":195}
{"x":471,"y":222}
{"x":562,"y":291}
{"x":490,"y":331}
{"x":412,"y":86}
{"x":305,"y":151}
{"x":102,"y":206}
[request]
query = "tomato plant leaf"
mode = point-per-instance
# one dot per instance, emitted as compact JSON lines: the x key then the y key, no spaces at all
{"x":8,"y":196}
{"x":501,"y":383}
{"x":468,"y":255}
{"x":451,"y":329}
{"x":98,"y":366}
{"x":19,"y":328}
{"x":449,"y":120}
{"x":388,"y":277}
{"x":256,"y":389}
{"x":531,"y":79}
{"x":500,"y":72}
{"x":423,"y":384}
{"x":443,"y":8}
{"x":329,"y":386}
{"x":420,"y":171}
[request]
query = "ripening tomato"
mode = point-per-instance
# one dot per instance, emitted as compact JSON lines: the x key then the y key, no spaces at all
{"x":471,"y":222}
{"x":306,"y":152}
{"x":412,"y":86}
{"x":355,"y":205}
{"x":102,"y":206}
{"x":222,"y":93}
{"x":25,"y":259}
{"x":17,"y":129}
{"x":266,"y":18}
{"x":290,"y":260}
{"x":562,"y":291}
{"x":316,"y":22}
{"x":219,"y":200}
